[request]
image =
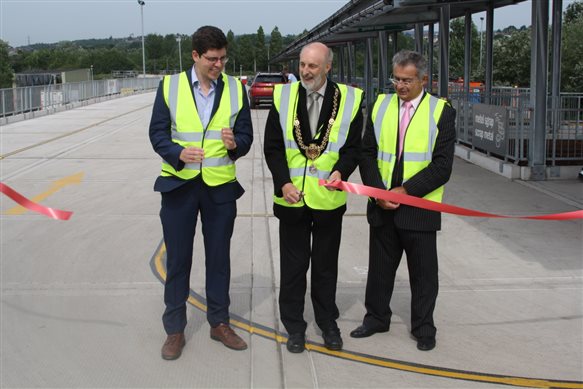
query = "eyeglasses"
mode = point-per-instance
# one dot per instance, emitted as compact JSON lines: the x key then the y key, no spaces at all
{"x":406,"y":82}
{"x":213,"y":60}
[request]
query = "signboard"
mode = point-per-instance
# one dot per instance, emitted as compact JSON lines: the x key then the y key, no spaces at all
{"x":489,"y":131}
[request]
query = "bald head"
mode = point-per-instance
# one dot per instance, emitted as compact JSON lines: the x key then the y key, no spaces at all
{"x":319,"y":48}
{"x":315,"y":63}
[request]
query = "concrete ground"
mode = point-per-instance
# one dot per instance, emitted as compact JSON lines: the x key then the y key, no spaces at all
{"x":81,"y":300}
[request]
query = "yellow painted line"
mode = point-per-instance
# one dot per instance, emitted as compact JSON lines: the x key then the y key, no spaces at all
{"x":384,"y":362}
{"x":55,"y":187}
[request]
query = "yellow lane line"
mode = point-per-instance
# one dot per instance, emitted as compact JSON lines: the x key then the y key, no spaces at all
{"x":380,"y":361}
{"x":55,"y":187}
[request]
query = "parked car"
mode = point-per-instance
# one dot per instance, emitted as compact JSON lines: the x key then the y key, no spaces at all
{"x":261,"y":91}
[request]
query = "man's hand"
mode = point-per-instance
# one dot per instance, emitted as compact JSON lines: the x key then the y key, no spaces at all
{"x":192,"y":155}
{"x":291,"y":194}
{"x":228,"y":138}
{"x":334,"y":177}
{"x":390,"y":205}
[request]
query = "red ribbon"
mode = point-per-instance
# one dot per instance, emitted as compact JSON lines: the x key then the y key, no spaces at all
{"x":31,"y":205}
{"x":418,"y":202}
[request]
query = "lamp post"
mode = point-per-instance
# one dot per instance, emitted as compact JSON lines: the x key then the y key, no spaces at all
{"x":481,"y":39}
{"x":92,"y":83}
{"x":179,"y":39}
{"x":142,"y":3}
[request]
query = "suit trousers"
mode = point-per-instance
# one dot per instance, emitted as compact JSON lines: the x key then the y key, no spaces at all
{"x":179,"y":215}
{"x":316,"y":237}
{"x":387,"y":243}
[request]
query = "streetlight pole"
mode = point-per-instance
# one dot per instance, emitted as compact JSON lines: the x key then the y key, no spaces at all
{"x":180,"y":51}
{"x":142,"y":3}
{"x":92,"y":83}
{"x":481,"y":39}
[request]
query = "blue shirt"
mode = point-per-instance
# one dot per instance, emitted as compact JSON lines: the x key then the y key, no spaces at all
{"x":204,"y":104}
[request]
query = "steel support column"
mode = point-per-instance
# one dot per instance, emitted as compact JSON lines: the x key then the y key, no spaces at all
{"x":489,"y":51}
{"x":467,"y":54}
{"x":419,"y":37}
{"x":351,"y":62}
{"x":556,"y":70}
{"x":383,"y":59}
{"x":444,"y":17}
{"x":467,"y":71}
{"x":430,"y":35}
{"x":395,"y":42}
{"x":368,"y":74}
{"x":341,"y":75}
{"x":538,"y":90}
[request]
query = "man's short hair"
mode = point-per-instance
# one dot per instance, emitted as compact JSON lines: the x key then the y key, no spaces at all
{"x":408,"y":57}
{"x":208,"y":38}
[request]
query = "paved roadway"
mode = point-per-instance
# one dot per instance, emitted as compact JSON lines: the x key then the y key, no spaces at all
{"x":81,"y":300}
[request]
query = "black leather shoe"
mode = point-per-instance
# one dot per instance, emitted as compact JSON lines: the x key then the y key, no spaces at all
{"x":296,"y":343}
{"x":332,"y":339}
{"x":426,"y":343}
{"x":364,"y":331}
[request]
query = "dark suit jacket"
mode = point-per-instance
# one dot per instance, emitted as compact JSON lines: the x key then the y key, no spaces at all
{"x":161,"y":139}
{"x":274,"y":147}
{"x":436,"y":174}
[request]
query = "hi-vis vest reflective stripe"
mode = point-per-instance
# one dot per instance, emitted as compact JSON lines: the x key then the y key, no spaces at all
{"x":419,"y":139}
{"x":285,"y":99}
{"x":188,"y":131}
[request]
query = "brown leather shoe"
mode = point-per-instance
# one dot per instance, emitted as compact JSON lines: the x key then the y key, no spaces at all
{"x":225,"y":334}
{"x":173,"y":346}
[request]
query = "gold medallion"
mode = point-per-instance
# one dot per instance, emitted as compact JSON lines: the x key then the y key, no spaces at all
{"x":313,"y":151}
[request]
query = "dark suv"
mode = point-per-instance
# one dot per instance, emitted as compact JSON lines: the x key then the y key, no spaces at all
{"x":261,"y":90}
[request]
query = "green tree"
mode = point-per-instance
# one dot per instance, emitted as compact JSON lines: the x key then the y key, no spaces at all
{"x":572,"y":49}
{"x":186,"y":46}
{"x":457,"y":48}
{"x":288,"y":39}
{"x":233,"y":53}
{"x":573,"y":12}
{"x":154,"y":46}
{"x":260,"y":50}
{"x":6,"y":72}
{"x":246,"y":52}
{"x":512,"y":59}
{"x":37,"y":60}
{"x":275,"y":42}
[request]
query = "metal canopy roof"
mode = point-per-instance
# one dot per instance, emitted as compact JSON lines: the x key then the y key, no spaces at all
{"x":360,"y":19}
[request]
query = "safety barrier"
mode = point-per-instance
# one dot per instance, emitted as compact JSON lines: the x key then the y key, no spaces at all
{"x":31,"y":99}
{"x":564,"y":124}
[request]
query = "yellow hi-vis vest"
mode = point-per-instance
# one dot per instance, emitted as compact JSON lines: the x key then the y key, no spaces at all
{"x":419,"y":140}
{"x":188,"y":131}
{"x":285,"y":99}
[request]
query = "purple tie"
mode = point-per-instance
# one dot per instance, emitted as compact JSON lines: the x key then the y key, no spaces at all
{"x":404,"y":123}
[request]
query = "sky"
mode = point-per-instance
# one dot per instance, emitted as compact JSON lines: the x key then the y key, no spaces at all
{"x":50,"y":21}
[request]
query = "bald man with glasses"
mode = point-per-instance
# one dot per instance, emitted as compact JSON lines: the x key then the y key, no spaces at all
{"x":407,"y":148}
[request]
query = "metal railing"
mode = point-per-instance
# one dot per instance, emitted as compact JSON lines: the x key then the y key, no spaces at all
{"x":564,"y":124}
{"x":15,"y":101}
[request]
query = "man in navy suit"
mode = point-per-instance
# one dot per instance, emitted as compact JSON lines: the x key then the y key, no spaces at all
{"x":201,"y":124}
{"x":408,"y":148}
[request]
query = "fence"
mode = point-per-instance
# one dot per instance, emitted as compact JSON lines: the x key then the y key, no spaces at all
{"x":14,"y":101}
{"x":564,"y":124}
